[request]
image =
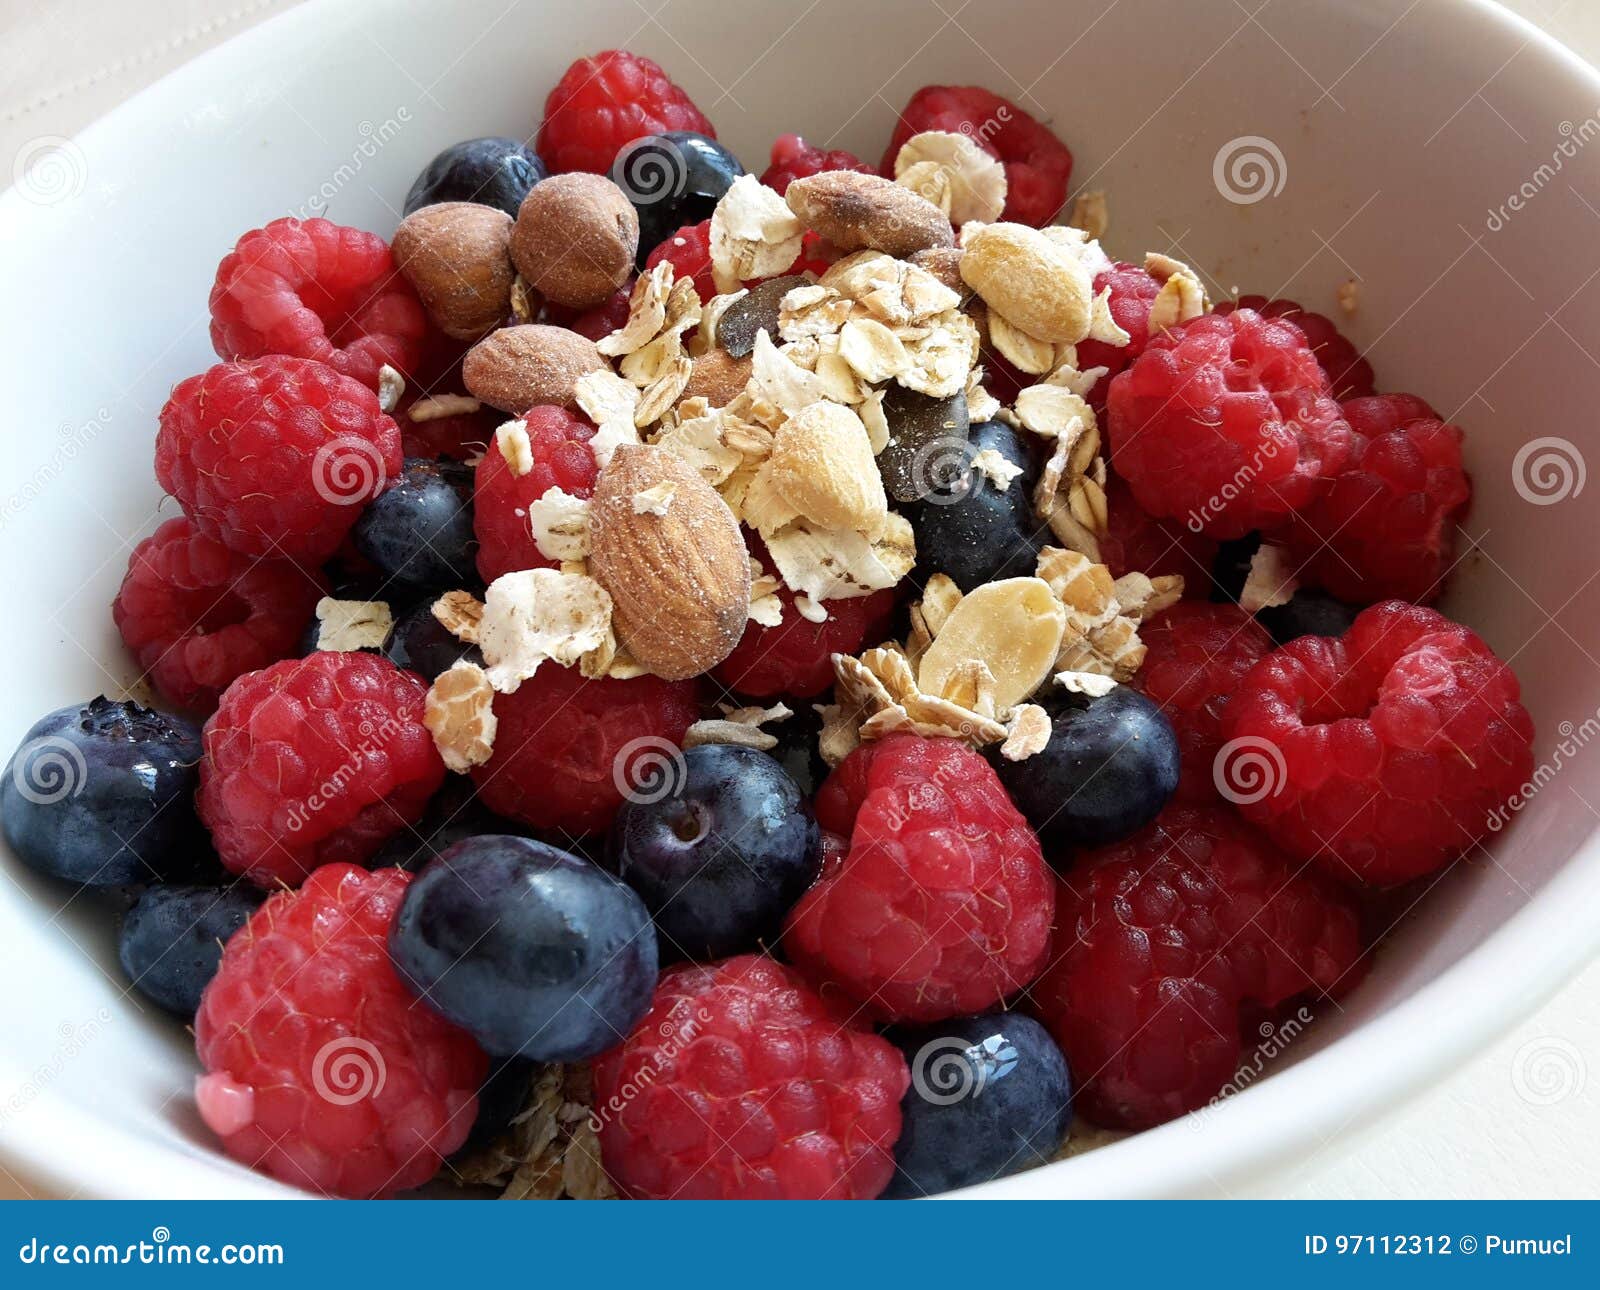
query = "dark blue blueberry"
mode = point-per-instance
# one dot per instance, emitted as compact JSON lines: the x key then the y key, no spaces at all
{"x":418,"y":531}
{"x":492,"y":172}
{"x":1308,"y":613}
{"x":989,"y":1096}
{"x":453,"y":814}
{"x":422,"y":644}
{"x":721,"y":860}
{"x":927,"y":450}
{"x":500,"y":1097}
{"x":538,"y":953}
{"x":104,"y":794}
{"x":673,"y":179}
{"x":171,"y":940}
{"x":972,"y":530}
{"x":1110,"y":766}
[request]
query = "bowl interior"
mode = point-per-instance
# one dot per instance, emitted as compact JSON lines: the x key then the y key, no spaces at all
{"x":1437,"y":159}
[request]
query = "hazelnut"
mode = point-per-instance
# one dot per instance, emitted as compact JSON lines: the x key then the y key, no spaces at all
{"x":516,"y":368}
{"x":457,"y":255}
{"x":575,"y":239}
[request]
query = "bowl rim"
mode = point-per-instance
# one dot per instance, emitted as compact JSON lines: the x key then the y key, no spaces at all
{"x":1516,"y":968}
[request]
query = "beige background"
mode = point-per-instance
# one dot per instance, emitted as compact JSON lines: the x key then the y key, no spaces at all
{"x":1521,"y":1120}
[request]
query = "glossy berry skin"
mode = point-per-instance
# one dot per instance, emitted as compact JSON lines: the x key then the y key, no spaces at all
{"x":321,"y":1069}
{"x":603,"y":103}
{"x":1038,"y":165}
{"x":493,"y":171}
{"x":313,"y":761}
{"x":974,"y":532}
{"x":170,"y":942}
{"x":1109,"y":768}
{"x":1385,"y":527}
{"x":1383,"y":754}
{"x":1133,"y":291}
{"x":741,"y":1083}
{"x":1349,"y":374}
{"x":796,"y":657}
{"x":418,"y":531}
{"x":1225,"y":424}
{"x":1166,"y":942}
{"x":317,"y":290}
{"x":452,"y":815}
{"x":562,"y":459}
{"x":1195,"y":656}
{"x":793,"y":158}
{"x":101,"y":795}
{"x":569,"y":749}
{"x":942,"y":906}
{"x":421,"y":644}
{"x":724,"y":857}
{"x":195,"y":615}
{"x":689,"y":249}
{"x":673,"y":179}
{"x":989,"y":1096}
{"x":277,"y":456}
{"x":1308,"y":613}
{"x":538,"y":953}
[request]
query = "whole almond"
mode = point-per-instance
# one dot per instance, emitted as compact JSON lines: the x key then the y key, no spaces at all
{"x":575,"y":239}
{"x":868,"y":212}
{"x":516,"y":368}
{"x":458,"y":257}
{"x":669,"y":551}
{"x":1038,"y":285}
{"x":823,"y":466}
{"x":718,"y":377}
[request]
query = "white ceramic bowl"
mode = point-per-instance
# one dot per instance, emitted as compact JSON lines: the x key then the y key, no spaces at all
{"x":1388,"y":139}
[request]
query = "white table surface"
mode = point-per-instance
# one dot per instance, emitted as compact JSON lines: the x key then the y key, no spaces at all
{"x":1522,"y":1120}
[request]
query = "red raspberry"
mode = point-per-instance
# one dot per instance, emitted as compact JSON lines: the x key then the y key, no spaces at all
{"x":1133,"y":292}
{"x":561,"y":459}
{"x":315,"y":289}
{"x":603,"y":319}
{"x":796,"y":657}
{"x":817,"y":255}
{"x":276,"y":456}
{"x":1349,"y":374}
{"x":1196,"y":655}
{"x":313,"y":761}
{"x":321,"y":1069}
{"x":742,"y":1084}
{"x":568,"y":750}
{"x":196,"y":615}
{"x":1167,"y":941}
{"x":1382,"y":754}
{"x":1225,"y":423}
{"x":1386,"y":526}
{"x":1135,"y":542}
{"x":605,"y":102}
{"x":459,"y":435}
{"x":1037,"y":163}
{"x":793,"y":158}
{"x":689,"y":249}
{"x":943,"y":905}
